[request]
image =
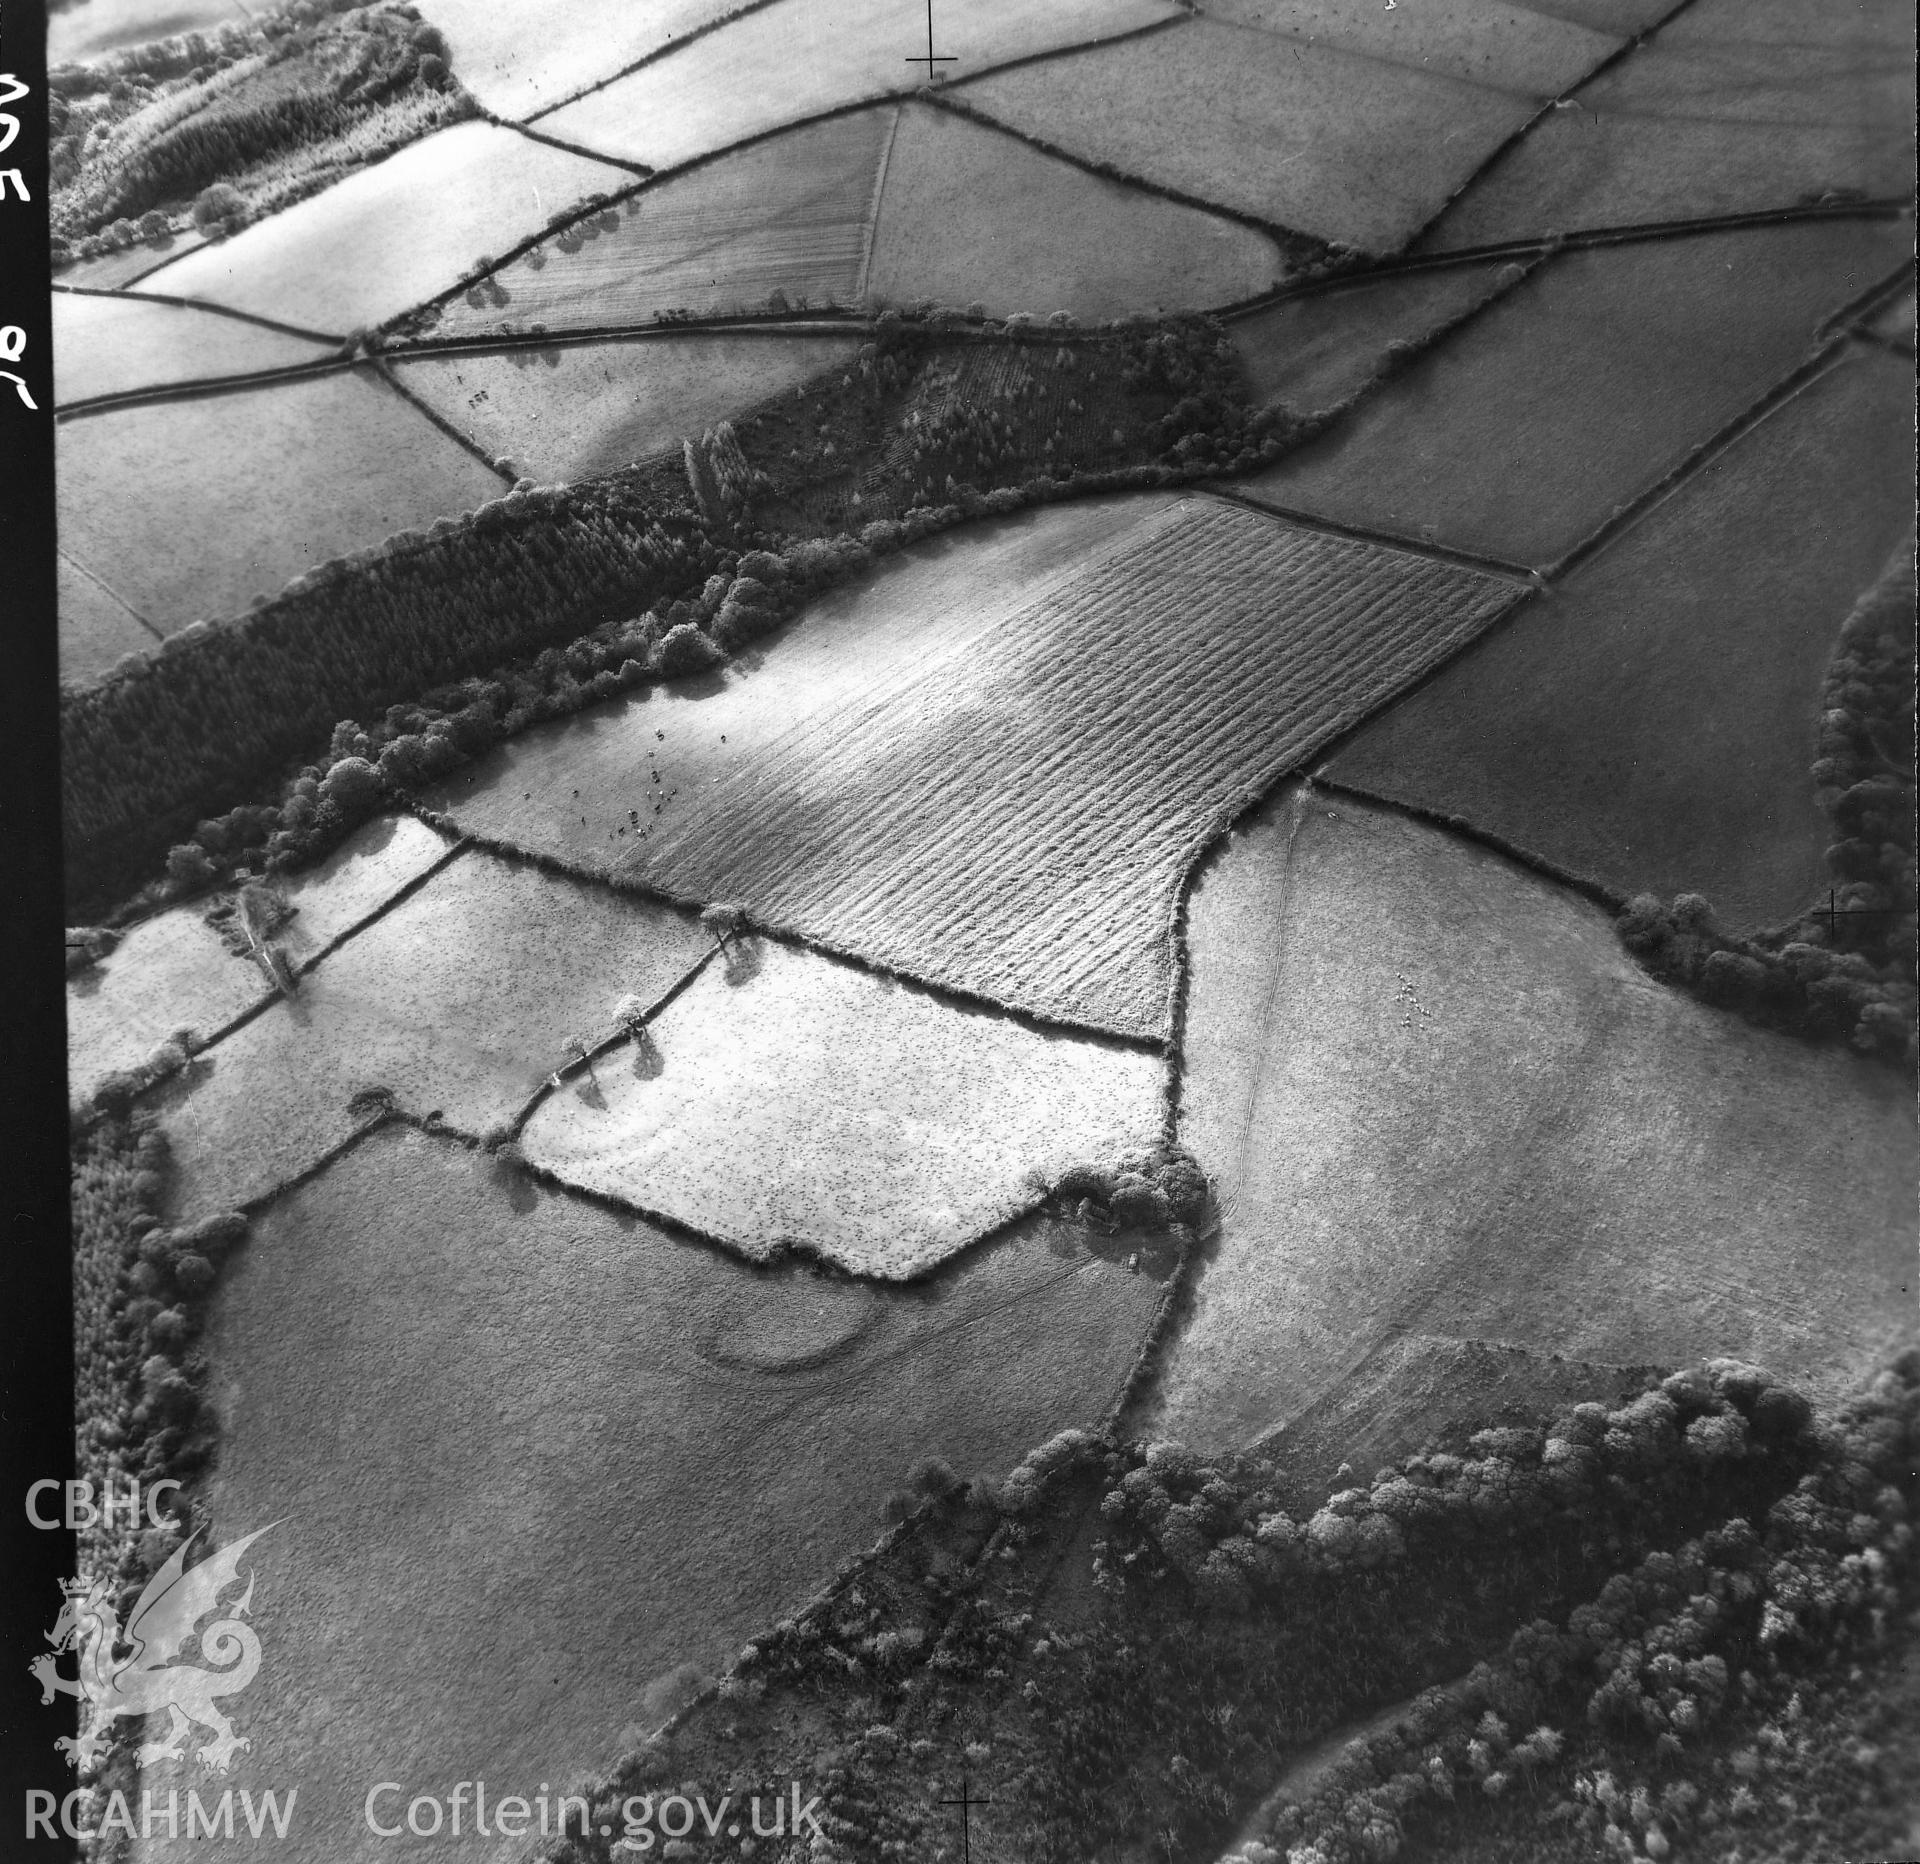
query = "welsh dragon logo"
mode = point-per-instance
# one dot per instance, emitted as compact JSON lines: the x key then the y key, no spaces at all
{"x":128,"y":1673}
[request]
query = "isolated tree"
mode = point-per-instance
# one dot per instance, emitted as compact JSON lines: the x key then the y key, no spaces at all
{"x":217,"y":203}
{"x":723,"y":920}
{"x":581,"y":1053}
{"x":631,"y":1014}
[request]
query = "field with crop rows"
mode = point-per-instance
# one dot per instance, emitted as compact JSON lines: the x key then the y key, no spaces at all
{"x":1734,"y":106}
{"x":114,"y":346}
{"x":460,"y":1001}
{"x":386,"y":237}
{"x":1443,"y":1101}
{"x":797,"y":58}
{"x":572,"y":410}
{"x":190,"y":508}
{"x":1327,"y":142}
{"x":791,"y":216}
{"x":786,"y":1101}
{"x":1652,"y":726}
{"x":1013,"y":818}
{"x":612,"y":1415}
{"x":1313,"y":352}
{"x":1080,"y":244}
{"x":569,"y":789}
{"x":1582,"y":387}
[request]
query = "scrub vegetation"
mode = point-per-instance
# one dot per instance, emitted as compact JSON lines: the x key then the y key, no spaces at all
{"x":1144,"y":1637}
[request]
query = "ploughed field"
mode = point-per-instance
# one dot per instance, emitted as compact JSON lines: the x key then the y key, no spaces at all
{"x":1007,"y":803}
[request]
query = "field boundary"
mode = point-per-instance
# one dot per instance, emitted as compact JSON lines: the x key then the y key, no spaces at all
{"x":1851,"y":318}
{"x":312,"y":962}
{"x":1619,"y":56}
{"x":199,"y":387}
{"x":106,"y":588}
{"x":673,"y":171}
{"x":650,"y":58}
{"x":1596,"y":892}
{"x":572,"y":1070}
{"x":439,"y":420}
{"x":1826,"y":357}
{"x":202,"y":304}
{"x":565,"y":147}
{"x":792,"y":937}
{"x":1547,"y":245}
{"x":879,"y":202}
{"x":1282,"y":235}
{"x":1496,"y":567}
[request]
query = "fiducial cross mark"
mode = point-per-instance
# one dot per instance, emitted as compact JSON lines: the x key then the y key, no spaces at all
{"x":966,"y":1802}
{"x":929,"y":58}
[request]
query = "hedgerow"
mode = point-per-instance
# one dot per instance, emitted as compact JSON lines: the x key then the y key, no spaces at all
{"x":1846,"y":970}
{"x":550,"y":598}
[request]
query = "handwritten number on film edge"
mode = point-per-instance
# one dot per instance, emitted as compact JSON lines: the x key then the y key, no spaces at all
{"x":12,"y":338}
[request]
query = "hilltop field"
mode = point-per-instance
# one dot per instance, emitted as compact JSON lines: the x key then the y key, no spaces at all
{"x":1041,"y":927}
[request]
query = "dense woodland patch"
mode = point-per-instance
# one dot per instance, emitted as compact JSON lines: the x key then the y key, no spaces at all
{"x":210,"y":131}
{"x":555,"y":596}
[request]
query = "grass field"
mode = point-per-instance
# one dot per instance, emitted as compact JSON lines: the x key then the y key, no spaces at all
{"x":358,"y":878}
{"x":191,"y":508}
{"x":514,"y":1436}
{"x":83,"y":34}
{"x":1324,"y":141}
{"x":1009,"y":810}
{"x":787,"y":1101}
{"x":1652,"y":726}
{"x":1587,"y":384}
{"x":799,"y":57}
{"x":1442,"y":1101}
{"x":168,"y":972}
{"x":570,"y":411}
{"x":531,"y":58}
{"x":1078,"y":243}
{"x":173,"y":971}
{"x":96,"y":626}
{"x":387,"y":237}
{"x":1509,"y":48}
{"x":792,"y":215}
{"x":1736,"y":106}
{"x":1313,"y":352}
{"x":461,"y":1001}
{"x":110,"y":346}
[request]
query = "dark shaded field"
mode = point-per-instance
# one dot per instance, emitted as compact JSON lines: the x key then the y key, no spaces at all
{"x":1581,"y":388}
{"x":1652,"y":725}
